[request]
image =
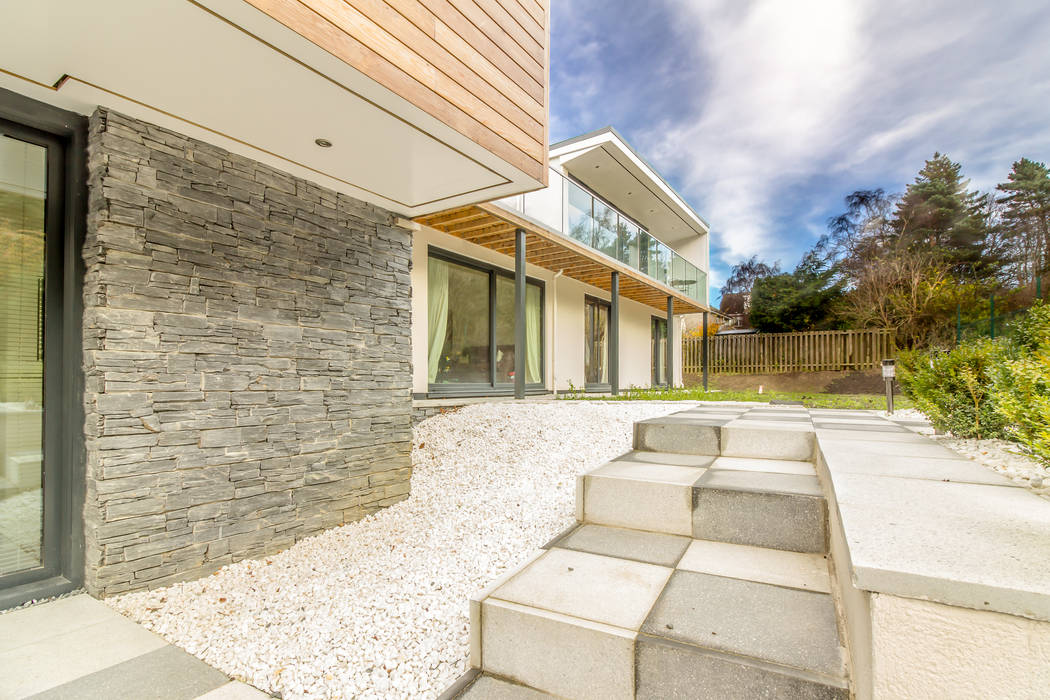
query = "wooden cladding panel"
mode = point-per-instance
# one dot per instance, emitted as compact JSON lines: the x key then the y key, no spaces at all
{"x":479,"y":66}
{"x":481,"y":225}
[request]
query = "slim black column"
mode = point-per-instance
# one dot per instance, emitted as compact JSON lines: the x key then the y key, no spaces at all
{"x":669,"y":361}
{"x":614,"y":333}
{"x":519,"y":314}
{"x":703,"y":352}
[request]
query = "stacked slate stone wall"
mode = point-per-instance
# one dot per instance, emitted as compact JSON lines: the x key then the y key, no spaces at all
{"x":247,"y":357}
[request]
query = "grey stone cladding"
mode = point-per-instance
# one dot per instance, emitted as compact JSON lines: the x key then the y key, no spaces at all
{"x":246,"y":357}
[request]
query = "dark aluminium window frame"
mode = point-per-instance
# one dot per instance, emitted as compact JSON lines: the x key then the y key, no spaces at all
{"x":611,"y":355}
{"x":492,"y":388}
{"x":657,"y":355}
{"x":65,"y":135}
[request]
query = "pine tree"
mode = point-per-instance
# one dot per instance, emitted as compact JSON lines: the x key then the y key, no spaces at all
{"x":939,"y":212}
{"x":1026,"y":217}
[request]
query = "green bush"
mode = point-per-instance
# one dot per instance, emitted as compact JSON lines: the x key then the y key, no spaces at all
{"x":1022,"y":385}
{"x":955,"y":389}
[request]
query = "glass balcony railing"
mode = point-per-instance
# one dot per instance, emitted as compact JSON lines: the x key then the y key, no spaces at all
{"x":568,"y":208}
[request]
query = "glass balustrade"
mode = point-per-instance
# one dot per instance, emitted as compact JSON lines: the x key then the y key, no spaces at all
{"x":566,"y":207}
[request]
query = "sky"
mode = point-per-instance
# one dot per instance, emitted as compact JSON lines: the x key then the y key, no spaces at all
{"x":765,"y":114}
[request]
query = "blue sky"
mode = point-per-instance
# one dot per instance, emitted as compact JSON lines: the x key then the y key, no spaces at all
{"x":765,"y":114}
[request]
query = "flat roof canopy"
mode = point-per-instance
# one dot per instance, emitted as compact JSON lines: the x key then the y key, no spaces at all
{"x":493,"y":227}
{"x":607,"y":164}
{"x":229,"y":74}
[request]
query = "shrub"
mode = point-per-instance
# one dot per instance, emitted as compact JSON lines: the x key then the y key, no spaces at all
{"x":955,"y":389}
{"x":1022,"y":385}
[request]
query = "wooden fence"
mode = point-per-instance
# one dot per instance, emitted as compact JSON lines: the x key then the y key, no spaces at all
{"x":811,"y":351}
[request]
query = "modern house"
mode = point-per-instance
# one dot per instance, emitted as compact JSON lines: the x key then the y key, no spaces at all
{"x":610,"y":257}
{"x":206,"y":213}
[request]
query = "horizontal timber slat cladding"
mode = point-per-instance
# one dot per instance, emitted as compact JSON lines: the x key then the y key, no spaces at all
{"x":479,"y":66}
{"x":493,"y":227}
{"x":808,"y":351}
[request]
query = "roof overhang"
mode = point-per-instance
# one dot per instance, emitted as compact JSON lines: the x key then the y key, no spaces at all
{"x":607,"y":164}
{"x":229,"y":74}
{"x":493,"y":227}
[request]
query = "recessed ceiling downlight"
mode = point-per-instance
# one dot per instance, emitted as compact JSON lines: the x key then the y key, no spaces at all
{"x":323,"y":143}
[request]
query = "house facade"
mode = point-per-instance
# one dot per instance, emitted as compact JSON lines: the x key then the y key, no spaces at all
{"x":206,"y":208}
{"x":613,"y":260}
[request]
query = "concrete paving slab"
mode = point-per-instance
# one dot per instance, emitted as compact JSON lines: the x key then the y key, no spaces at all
{"x":972,"y":545}
{"x":168,"y":673}
{"x":760,"y":482}
{"x":637,"y":545}
{"x":766,"y":440}
{"x":679,"y":460}
{"x":885,"y":427}
{"x":907,"y":436}
{"x":932,"y":469}
{"x":650,"y":471}
{"x":488,"y":688}
{"x":83,"y":650}
{"x":775,"y":418}
{"x":589,"y":586}
{"x":780,"y":625}
{"x":234,"y":690}
{"x":749,"y":464}
{"x":873,"y":444}
{"x":656,"y":435}
{"x":669,"y":669}
{"x":39,"y":622}
{"x":780,"y":511}
{"x":556,"y":653}
{"x":639,"y":505}
{"x":792,"y":569}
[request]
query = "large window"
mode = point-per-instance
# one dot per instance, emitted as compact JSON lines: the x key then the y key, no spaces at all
{"x":596,"y":342}
{"x":470,"y":326}
{"x":659,"y":350}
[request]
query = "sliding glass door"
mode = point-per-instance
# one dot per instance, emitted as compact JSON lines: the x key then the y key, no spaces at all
{"x":31,"y":286}
{"x":470,"y":326}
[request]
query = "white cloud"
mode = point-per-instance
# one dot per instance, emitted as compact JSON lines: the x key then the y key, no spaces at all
{"x":858,"y":91}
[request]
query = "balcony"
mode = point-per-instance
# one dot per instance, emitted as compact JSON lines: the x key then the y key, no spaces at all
{"x":568,"y":208}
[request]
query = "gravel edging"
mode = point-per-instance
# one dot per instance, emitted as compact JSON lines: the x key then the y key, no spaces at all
{"x":379,"y":608}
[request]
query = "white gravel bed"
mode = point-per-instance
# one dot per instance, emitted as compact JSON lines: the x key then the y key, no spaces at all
{"x":379,"y":608}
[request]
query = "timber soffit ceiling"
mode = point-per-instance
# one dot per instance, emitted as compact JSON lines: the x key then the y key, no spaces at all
{"x":227,"y":72}
{"x":493,"y":227}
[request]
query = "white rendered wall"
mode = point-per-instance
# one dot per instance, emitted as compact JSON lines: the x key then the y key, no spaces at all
{"x":562,"y":317}
{"x":925,"y":650}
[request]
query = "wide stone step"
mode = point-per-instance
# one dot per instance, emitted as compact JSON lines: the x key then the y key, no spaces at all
{"x":760,"y":433}
{"x":667,"y":616}
{"x":765,"y":502}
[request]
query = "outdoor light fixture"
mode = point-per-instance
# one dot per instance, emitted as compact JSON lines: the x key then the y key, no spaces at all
{"x":323,"y":143}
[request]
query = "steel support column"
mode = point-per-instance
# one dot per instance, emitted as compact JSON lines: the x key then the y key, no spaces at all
{"x":703,"y":352}
{"x":614,"y":333}
{"x":519,"y":314}
{"x":669,"y":360}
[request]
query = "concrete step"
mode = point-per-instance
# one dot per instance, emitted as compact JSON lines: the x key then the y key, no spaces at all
{"x":765,"y":502}
{"x":773,"y":433}
{"x":667,"y":616}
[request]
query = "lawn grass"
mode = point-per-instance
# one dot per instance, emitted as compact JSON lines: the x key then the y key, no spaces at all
{"x":809,"y":399}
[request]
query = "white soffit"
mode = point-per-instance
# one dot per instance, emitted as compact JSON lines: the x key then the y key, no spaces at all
{"x":224,"y":72}
{"x":604,"y":163}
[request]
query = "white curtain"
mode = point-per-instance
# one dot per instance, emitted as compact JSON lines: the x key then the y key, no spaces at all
{"x":533,"y":335}
{"x":437,"y":314}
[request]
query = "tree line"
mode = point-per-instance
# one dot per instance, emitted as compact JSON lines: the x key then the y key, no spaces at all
{"x":912,"y":262}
